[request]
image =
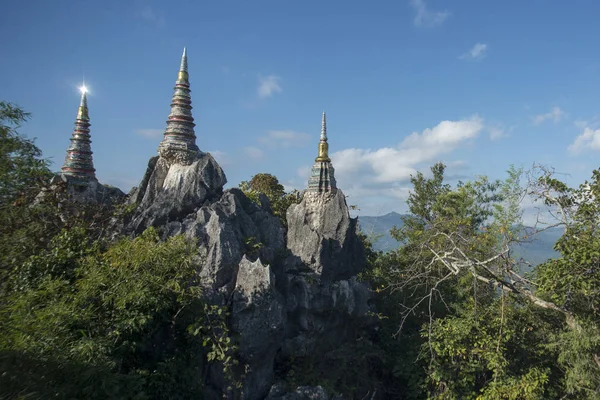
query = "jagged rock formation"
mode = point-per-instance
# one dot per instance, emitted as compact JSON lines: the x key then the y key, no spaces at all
{"x":170,"y":191}
{"x":93,"y":192}
{"x":284,"y":300}
{"x":323,"y":237}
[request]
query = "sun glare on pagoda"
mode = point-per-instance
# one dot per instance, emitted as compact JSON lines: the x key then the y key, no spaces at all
{"x":83,"y":89}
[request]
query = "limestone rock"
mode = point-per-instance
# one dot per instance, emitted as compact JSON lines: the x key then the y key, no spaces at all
{"x":322,"y":236}
{"x":226,"y":229}
{"x":321,"y":315}
{"x":259,"y":318}
{"x":92,"y":192}
{"x":172,"y":191}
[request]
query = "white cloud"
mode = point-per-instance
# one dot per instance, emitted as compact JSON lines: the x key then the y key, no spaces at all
{"x":589,"y":139}
{"x":476,"y":53}
{"x":285,"y":138}
{"x":425,"y":17}
{"x":385,"y":172}
{"x":556,"y":114}
{"x":497,"y":132}
{"x":254,"y":152}
{"x":267,"y":86}
{"x":150,"y":133}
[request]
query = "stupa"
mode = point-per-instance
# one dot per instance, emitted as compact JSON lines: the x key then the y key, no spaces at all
{"x":179,"y":140}
{"x":322,"y":179}
{"x":78,"y":168}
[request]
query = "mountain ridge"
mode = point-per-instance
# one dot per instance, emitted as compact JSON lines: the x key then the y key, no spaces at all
{"x":377,"y":228}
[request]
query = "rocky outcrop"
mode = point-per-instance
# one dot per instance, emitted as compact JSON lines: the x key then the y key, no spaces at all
{"x":259,"y":317}
{"x":226,"y":229}
{"x":285,"y":301}
{"x":170,"y":191}
{"x":323,"y":238}
{"x":88,"y":192}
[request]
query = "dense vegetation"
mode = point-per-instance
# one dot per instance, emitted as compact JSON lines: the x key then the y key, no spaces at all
{"x":84,"y":318}
{"x":81,"y":317}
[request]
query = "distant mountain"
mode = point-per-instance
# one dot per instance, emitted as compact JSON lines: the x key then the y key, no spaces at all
{"x":381,"y":226}
{"x":538,"y":250}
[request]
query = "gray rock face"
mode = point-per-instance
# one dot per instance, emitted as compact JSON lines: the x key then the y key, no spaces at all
{"x":93,"y":192}
{"x":226,"y":229}
{"x":259,"y":318}
{"x":284,"y":301}
{"x":323,"y":237}
{"x":323,"y":315}
{"x":171,"y":191}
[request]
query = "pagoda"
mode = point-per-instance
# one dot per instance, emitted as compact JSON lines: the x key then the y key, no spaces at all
{"x":179,"y":140}
{"x":79,"y":166}
{"x":322,"y":178}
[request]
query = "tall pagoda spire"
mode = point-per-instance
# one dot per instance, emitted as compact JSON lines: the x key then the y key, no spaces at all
{"x":322,"y":179}
{"x":179,"y":140}
{"x":79,"y":165}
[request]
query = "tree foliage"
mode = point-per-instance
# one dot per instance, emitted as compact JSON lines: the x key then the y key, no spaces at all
{"x":126,"y":323}
{"x":22,"y":170}
{"x":269,"y":185}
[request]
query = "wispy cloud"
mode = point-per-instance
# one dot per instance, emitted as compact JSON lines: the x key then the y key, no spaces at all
{"x":285,"y":138}
{"x":556,"y":114}
{"x":593,"y":122}
{"x":386,"y":171}
{"x":254,"y":152}
{"x":426,"y":17}
{"x":498,"y":131}
{"x":588,"y":140}
{"x":148,"y":14}
{"x":150,"y":133}
{"x":477,"y":52}
{"x":269,"y":85}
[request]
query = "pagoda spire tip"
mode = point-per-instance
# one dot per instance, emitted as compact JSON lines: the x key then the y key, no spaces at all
{"x":324,"y":127}
{"x":184,"y":66}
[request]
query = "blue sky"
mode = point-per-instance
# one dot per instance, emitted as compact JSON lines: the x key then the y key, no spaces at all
{"x":477,"y":84}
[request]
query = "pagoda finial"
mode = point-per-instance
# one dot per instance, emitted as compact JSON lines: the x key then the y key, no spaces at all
{"x":179,"y":141}
{"x":183,"y":69}
{"x":79,"y":165}
{"x":323,"y":145}
{"x":82,"y":113}
{"x":324,"y":127}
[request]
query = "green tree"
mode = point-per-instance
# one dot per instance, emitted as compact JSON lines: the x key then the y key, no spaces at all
{"x":126,"y":323}
{"x":454,"y":284}
{"x":269,"y":185}
{"x":22,"y":170}
{"x":572,"y":281}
